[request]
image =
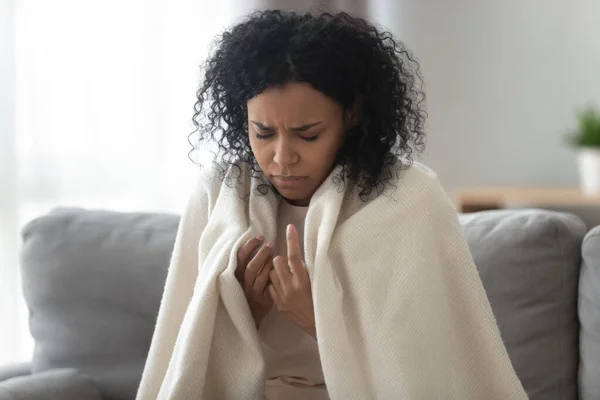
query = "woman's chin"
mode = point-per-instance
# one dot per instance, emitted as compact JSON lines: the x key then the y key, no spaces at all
{"x":295,"y":196}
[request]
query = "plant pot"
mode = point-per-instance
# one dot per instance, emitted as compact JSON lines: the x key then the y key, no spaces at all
{"x":589,"y":170}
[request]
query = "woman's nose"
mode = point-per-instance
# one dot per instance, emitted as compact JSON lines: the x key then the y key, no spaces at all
{"x":284,"y":153}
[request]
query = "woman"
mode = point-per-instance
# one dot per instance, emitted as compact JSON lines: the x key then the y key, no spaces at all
{"x":317,"y":260}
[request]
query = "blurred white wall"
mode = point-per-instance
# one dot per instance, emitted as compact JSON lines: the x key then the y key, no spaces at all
{"x":503,"y":79}
{"x":11,"y":316}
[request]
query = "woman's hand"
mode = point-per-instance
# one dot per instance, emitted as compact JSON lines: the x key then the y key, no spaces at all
{"x":290,"y":285}
{"x":253,"y":274}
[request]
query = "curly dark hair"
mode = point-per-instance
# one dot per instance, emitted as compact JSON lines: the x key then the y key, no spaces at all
{"x":346,"y":58}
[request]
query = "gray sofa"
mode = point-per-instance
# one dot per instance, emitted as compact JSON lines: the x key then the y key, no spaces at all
{"x":93,"y":280}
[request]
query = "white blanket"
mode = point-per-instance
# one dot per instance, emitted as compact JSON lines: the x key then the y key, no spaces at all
{"x":401,"y":312}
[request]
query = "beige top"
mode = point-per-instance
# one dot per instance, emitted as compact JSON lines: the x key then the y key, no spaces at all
{"x":293,"y":366}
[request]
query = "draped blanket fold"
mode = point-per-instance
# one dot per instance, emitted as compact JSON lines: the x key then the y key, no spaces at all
{"x":400,"y":309}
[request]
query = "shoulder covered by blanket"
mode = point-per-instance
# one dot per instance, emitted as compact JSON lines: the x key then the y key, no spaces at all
{"x":400,"y":310}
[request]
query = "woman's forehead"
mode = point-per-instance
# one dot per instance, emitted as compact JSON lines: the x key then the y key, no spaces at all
{"x":292,"y":101}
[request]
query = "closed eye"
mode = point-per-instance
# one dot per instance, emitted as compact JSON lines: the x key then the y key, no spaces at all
{"x":301,"y":129}
{"x":263,"y":137}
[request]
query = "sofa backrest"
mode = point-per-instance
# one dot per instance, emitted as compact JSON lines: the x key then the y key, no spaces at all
{"x":589,"y":316}
{"x":93,"y":282}
{"x":529,"y":263}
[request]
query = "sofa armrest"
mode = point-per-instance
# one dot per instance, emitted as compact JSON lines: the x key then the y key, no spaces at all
{"x":58,"y":384}
{"x":14,"y":370}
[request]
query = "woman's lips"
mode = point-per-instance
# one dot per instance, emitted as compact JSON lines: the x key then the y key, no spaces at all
{"x":290,"y":182}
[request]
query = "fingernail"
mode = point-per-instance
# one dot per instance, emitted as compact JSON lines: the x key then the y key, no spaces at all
{"x":289,"y":229}
{"x":271,"y":245}
{"x":261,"y":237}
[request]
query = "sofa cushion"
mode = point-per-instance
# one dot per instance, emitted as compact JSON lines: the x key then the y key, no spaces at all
{"x":589,"y":316}
{"x":63,"y":384}
{"x":14,"y":370}
{"x":529,"y":263}
{"x":93,"y":282}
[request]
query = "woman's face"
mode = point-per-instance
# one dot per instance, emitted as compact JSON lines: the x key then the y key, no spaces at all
{"x":296,"y":131}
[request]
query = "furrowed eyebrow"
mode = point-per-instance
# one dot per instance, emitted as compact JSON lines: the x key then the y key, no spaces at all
{"x":295,"y":129}
{"x":261,"y":126}
{"x":305,"y":127}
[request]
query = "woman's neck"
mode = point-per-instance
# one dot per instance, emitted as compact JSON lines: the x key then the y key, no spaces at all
{"x":297,"y":203}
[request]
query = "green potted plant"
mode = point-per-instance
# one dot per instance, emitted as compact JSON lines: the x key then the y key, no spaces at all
{"x":586,"y":138}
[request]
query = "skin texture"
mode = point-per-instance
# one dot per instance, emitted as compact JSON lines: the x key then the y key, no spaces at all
{"x":286,"y":116}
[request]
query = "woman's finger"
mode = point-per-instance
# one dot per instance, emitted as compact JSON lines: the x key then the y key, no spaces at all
{"x":281,"y":275}
{"x":275,"y":288}
{"x":274,"y":295}
{"x":274,"y":278}
{"x":244,"y":253}
{"x":257,"y":263}
{"x":282,"y":267}
{"x":293,"y":251}
{"x":262,"y":279}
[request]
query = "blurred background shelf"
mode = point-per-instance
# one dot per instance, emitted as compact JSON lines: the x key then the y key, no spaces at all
{"x":475,"y":199}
